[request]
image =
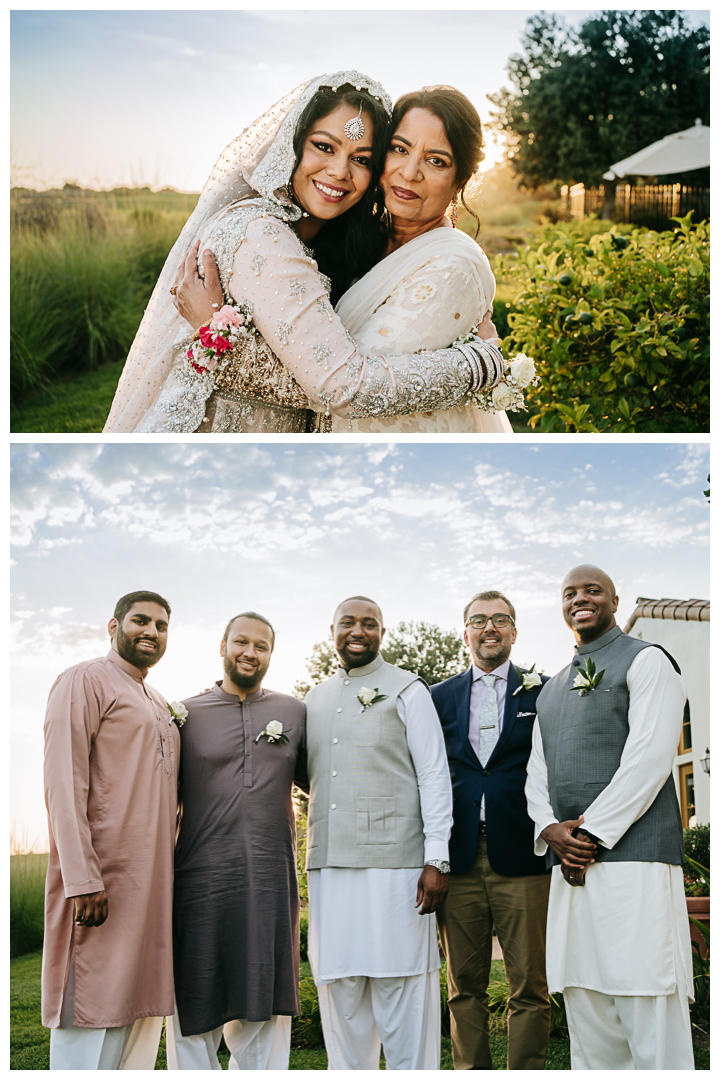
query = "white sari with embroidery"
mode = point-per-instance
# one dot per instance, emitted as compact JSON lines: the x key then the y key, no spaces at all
{"x":424,"y":295}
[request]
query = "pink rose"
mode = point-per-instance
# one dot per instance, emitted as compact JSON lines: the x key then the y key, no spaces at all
{"x":226,"y":317}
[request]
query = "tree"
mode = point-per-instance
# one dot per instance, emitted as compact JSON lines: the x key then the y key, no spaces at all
{"x":584,"y":99}
{"x":425,"y":649}
{"x":421,"y":647}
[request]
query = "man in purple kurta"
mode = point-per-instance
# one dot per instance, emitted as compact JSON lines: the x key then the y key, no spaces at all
{"x":111,"y":753}
{"x":236,"y":909}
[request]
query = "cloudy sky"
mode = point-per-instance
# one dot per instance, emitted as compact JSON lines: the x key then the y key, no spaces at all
{"x":133,"y":97}
{"x":290,"y":530}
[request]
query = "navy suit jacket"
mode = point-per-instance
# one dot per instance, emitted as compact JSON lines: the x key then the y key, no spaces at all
{"x":509,"y":829}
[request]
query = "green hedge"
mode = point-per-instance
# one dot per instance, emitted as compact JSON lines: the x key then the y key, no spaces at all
{"x":618,"y":322}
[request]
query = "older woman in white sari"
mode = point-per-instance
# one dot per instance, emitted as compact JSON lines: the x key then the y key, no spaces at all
{"x":302,"y":363}
{"x":435,"y":283}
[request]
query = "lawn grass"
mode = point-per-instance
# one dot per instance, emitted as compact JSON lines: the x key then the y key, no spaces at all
{"x":30,"y":1041}
{"x":76,"y":403}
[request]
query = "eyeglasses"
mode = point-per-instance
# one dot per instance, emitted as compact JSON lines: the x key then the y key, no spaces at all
{"x":479,"y":622}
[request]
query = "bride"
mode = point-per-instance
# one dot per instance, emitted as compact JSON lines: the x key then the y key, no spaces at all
{"x":296,"y":169}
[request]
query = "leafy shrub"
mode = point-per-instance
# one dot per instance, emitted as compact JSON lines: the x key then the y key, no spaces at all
{"x":697,"y":847}
{"x":618,"y":321}
{"x":27,"y":903}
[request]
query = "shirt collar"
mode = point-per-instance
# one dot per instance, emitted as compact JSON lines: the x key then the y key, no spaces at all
{"x":224,"y":696}
{"x":361,"y":672}
{"x":599,"y":643}
{"x":501,"y":672}
{"x":135,"y":673}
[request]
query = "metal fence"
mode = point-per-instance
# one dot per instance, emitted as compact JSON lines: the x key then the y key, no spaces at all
{"x":649,"y":205}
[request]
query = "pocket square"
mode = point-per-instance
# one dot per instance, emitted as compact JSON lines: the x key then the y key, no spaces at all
{"x":521,"y":714}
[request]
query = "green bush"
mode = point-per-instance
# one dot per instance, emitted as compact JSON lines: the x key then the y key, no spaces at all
{"x":27,"y":903}
{"x":618,"y":322}
{"x":697,"y":847}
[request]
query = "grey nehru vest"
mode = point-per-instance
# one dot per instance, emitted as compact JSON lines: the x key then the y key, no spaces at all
{"x":364,"y":800}
{"x":583,"y":740}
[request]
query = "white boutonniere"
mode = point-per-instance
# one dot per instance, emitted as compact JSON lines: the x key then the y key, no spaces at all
{"x":530,"y":679}
{"x":178,"y":712}
{"x":274,"y":732}
{"x":587,"y":678}
{"x":368,"y":697}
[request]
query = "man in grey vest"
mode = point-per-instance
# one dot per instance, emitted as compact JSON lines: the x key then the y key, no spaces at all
{"x":601,"y":793}
{"x":379,"y":823}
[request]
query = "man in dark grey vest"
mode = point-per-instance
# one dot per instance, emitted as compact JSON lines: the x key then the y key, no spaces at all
{"x":378,"y":828}
{"x":601,"y":792}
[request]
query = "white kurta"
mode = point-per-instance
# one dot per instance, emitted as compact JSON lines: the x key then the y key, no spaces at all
{"x":364,"y":921}
{"x":625,"y":932}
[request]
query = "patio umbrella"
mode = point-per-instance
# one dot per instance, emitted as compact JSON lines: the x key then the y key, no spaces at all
{"x":675,"y":153}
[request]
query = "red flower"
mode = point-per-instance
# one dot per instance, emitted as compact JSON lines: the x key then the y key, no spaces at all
{"x":200,"y":370}
{"x":221,"y":345}
{"x":207,"y":337}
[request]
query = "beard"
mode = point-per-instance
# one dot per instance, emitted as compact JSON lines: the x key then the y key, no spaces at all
{"x":353,"y":660}
{"x":243,"y":682}
{"x":129,"y":651}
{"x":497,"y":655}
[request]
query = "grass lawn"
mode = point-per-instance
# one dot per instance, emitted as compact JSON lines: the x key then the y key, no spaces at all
{"x":78,"y":403}
{"x":30,"y":1042}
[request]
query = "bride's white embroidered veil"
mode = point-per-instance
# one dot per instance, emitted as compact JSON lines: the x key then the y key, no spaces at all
{"x":255,"y":167}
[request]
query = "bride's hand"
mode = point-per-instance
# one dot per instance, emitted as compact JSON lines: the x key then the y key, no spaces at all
{"x":197,"y":299}
{"x":487,"y":329}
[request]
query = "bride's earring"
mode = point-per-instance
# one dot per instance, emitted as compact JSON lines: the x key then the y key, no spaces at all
{"x":290,"y":191}
{"x":454,"y":209}
{"x":355,"y":129}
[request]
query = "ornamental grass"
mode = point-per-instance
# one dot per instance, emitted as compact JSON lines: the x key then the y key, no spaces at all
{"x":82,"y":268}
{"x":27,"y":903}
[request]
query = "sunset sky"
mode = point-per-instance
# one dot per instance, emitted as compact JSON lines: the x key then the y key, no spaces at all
{"x":290,"y":530}
{"x":106,"y":98}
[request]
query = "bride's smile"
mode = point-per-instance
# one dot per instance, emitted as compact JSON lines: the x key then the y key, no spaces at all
{"x":335,"y":171}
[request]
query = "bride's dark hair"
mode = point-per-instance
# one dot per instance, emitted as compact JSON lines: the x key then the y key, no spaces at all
{"x":463,"y":128}
{"x":349,"y":245}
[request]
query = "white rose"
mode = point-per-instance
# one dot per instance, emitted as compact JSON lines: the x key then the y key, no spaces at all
{"x":522,"y":370}
{"x":532,"y":679}
{"x":366,"y":695}
{"x":502,"y":397}
{"x":274,"y":729}
{"x":581,"y":680}
{"x":178,"y":710}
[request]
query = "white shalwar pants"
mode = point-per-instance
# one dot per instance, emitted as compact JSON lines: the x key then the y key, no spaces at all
{"x":626,"y":1032}
{"x":361,"y":1013}
{"x":261,"y":1044}
{"x":132,"y":1047}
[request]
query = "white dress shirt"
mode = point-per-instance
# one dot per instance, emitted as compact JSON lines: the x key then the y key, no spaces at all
{"x":477,"y":696}
{"x":363,"y":921}
{"x":626,"y":930}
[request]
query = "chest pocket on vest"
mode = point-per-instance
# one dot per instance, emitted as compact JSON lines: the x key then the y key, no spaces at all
{"x":375,"y":820}
{"x":365,"y":729}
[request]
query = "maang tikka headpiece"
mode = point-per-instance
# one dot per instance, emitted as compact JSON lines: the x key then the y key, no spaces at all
{"x":355,"y":129}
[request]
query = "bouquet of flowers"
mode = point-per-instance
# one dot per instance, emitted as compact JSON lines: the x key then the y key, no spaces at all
{"x":214,"y":342}
{"x":508,"y":395}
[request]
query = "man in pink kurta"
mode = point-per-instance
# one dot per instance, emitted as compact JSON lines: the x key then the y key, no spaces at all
{"x":111,"y":760}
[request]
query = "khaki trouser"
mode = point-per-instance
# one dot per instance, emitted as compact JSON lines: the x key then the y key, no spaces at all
{"x":517,"y":908}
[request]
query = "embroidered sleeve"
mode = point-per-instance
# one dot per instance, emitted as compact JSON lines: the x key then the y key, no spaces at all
{"x":292,"y":312}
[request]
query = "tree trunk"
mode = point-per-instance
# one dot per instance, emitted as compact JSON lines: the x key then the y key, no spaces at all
{"x":608,"y":207}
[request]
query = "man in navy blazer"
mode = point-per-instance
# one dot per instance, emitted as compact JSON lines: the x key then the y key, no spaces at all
{"x":496,"y":880}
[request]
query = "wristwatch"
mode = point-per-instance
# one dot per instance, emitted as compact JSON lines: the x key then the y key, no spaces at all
{"x":441,"y":865}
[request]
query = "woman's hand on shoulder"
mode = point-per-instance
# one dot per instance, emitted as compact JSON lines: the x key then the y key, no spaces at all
{"x":487,"y":329}
{"x":197,"y":299}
